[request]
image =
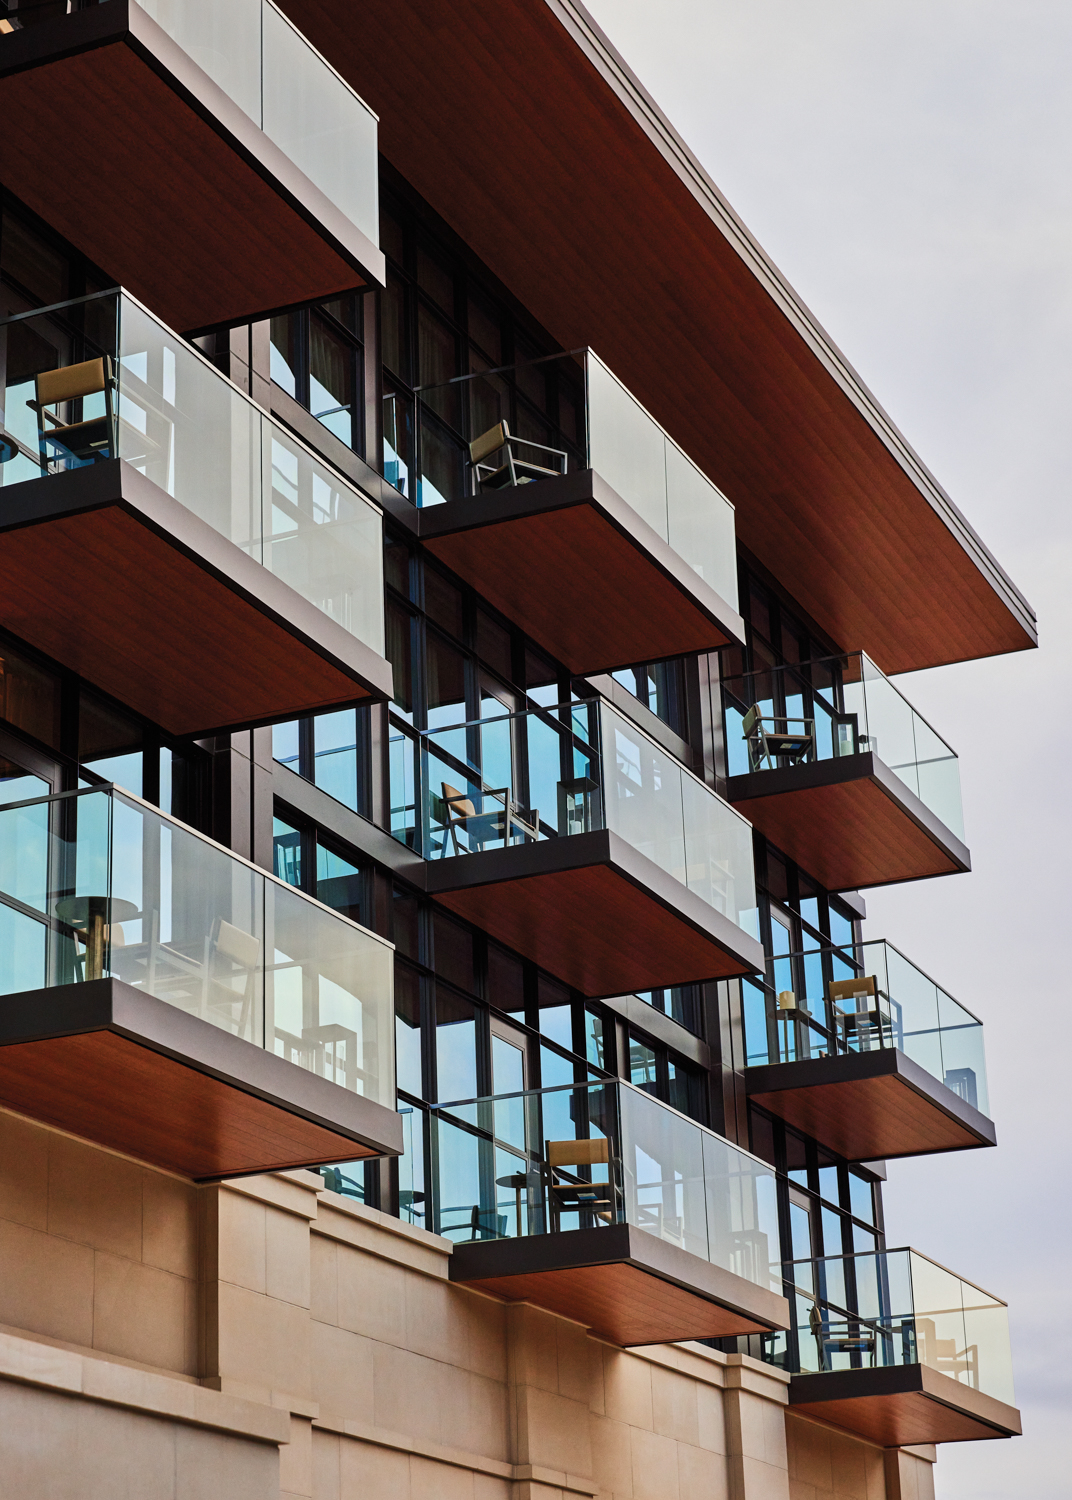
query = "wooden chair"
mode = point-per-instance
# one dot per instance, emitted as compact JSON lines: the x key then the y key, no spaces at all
{"x":857,"y":1016}
{"x":765,"y":744}
{"x":513,"y":470}
{"x":483,"y":826}
{"x":571,"y":1194}
{"x":84,"y":441}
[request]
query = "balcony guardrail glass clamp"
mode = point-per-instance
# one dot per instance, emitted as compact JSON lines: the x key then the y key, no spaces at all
{"x":100,"y":377}
{"x":553,"y":772}
{"x":897,"y":1307}
{"x":591,"y":1155}
{"x":97,"y":884}
{"x":835,"y":706}
{"x":520,"y":423}
{"x":829,"y":1001}
{"x":264,"y":65}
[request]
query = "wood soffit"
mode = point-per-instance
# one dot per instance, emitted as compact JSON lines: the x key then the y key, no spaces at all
{"x":548,"y":158}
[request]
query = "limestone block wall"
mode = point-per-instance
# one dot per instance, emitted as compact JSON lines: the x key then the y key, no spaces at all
{"x":269,"y":1340}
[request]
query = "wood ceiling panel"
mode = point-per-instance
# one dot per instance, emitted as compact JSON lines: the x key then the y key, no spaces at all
{"x":622,"y":1303}
{"x":110,"y":1090}
{"x":894,"y":1421}
{"x":112,"y":600}
{"x":506,"y":126}
{"x":573,"y":581}
{"x":148,"y":190}
{"x":869,"y":1119}
{"x":848,"y":835}
{"x":594,"y":929}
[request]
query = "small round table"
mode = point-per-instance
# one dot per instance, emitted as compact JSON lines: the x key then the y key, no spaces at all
{"x":519,"y":1181}
{"x":92,"y":915}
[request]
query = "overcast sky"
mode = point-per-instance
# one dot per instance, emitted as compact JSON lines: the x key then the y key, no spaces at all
{"x":908,"y":166}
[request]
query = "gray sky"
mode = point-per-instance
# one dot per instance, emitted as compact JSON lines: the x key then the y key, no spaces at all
{"x":907,"y":166}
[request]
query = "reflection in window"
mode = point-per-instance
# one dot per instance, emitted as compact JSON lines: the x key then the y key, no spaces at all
{"x":455,"y":1046}
{"x":408,"y":1029}
{"x":286,"y":852}
{"x":340,"y":884}
{"x":642,"y":1065}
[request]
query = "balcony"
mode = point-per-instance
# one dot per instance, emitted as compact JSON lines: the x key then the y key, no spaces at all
{"x":165,"y":999}
{"x":604,"y":541}
{"x":163,"y":537}
{"x":863,"y":1051}
{"x":602,"y":1205}
{"x":573,"y":838}
{"x":803,"y":748}
{"x":899,"y":1350}
{"x":205,"y":155}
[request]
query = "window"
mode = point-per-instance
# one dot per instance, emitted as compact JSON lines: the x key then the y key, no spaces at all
{"x":332,"y":751}
{"x":317,"y":357}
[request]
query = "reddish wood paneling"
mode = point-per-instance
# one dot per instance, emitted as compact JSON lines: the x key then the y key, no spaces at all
{"x":848,"y":835}
{"x":622,"y":1303}
{"x":869,"y":1119}
{"x":108,"y":1089}
{"x":495,"y":114}
{"x":112,"y":600}
{"x":154,"y":195}
{"x":573,"y":581}
{"x":594,"y":929}
{"x":894,"y":1421}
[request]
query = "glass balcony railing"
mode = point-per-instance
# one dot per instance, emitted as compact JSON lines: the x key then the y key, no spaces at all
{"x":563,"y":413}
{"x":97,"y":884}
{"x":266,"y":67}
{"x":550,"y":773}
{"x":873,"y":1311}
{"x":595,"y":1154}
{"x":100,"y":378}
{"x":831,"y":1000}
{"x":838,"y":705}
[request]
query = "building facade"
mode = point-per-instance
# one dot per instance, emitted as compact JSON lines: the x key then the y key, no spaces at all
{"x":451,"y":600}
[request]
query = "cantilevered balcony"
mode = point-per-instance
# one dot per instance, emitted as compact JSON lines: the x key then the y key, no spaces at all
{"x":203,"y":153}
{"x":573,"y":838}
{"x":163,"y":537}
{"x":897,"y":1349}
{"x":603,"y":1205}
{"x":587,"y":525}
{"x":863,"y":1051}
{"x":837,"y":769}
{"x":163,"y":998}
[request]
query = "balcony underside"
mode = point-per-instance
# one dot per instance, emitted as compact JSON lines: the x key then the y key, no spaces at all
{"x":869,"y":1106}
{"x":902,"y":1405}
{"x":155,"y":174}
{"x":850,"y":822}
{"x":115,"y":580}
{"x":581,"y":573}
{"x":118,"y":1067}
{"x":623,"y":1283}
{"x":829,"y":496}
{"x":594,"y":912}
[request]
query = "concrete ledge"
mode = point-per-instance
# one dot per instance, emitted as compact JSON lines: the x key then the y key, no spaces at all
{"x":380,"y":1234}
{"x":29,"y":1363}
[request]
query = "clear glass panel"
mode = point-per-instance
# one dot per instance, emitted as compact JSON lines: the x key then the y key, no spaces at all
{"x":224,"y":40}
{"x":701,"y":524}
{"x":324,"y":540}
{"x":643,"y":794}
{"x":742,"y":1213}
{"x":190,"y":432}
{"x":321,"y":124}
{"x":663,"y":1173}
{"x":328,"y":995}
{"x":626,"y":448}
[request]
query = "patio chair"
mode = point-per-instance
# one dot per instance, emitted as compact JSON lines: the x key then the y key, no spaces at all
{"x":510,"y":469}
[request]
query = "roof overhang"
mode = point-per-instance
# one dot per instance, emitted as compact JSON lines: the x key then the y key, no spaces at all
{"x":527,"y":133}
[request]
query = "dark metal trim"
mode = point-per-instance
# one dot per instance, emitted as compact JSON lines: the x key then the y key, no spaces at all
{"x":114,"y":482}
{"x":112,"y":1005}
{"x":899,"y":1380}
{"x":581,"y":851}
{"x":845,"y":768}
{"x":124,"y":22}
{"x":583,"y":487}
{"x":661,"y":1027}
{"x":857,"y":1067}
{"x":615,"y":1245}
{"x":323,"y":810}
